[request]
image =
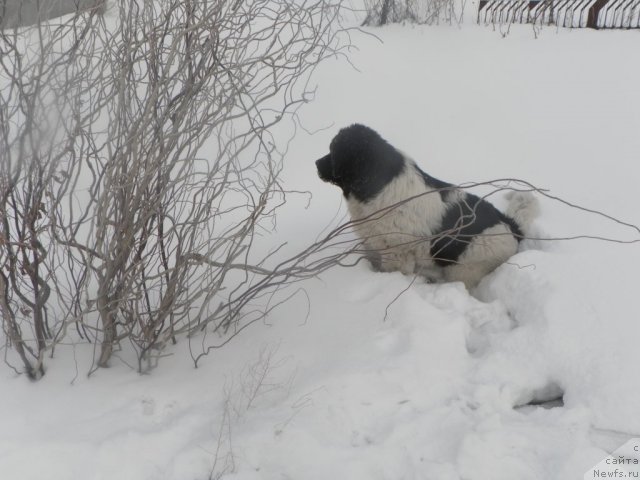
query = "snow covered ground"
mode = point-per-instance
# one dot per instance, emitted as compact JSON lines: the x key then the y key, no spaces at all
{"x":381,"y":376}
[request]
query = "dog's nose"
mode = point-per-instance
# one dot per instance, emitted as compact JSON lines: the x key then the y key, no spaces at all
{"x":325,"y":158}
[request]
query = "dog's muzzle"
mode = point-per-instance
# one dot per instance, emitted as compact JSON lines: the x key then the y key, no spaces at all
{"x":324,"y":168}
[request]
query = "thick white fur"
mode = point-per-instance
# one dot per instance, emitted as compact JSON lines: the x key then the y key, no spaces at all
{"x":485,"y":253}
{"x":523,"y":208}
{"x":400,"y":235}
{"x":396,"y":233}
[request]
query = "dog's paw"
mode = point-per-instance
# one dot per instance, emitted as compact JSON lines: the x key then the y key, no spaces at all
{"x":430,"y":274}
{"x":375,"y":260}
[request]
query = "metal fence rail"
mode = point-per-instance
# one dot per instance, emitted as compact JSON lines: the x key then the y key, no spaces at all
{"x":565,"y":13}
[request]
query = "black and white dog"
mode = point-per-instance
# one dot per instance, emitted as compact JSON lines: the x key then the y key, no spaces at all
{"x":414,"y":223}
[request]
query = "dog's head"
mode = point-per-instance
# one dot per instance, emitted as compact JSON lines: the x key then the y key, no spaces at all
{"x":360,"y":162}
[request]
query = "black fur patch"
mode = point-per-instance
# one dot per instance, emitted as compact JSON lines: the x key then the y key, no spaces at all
{"x":443,"y":188}
{"x":462,"y":221}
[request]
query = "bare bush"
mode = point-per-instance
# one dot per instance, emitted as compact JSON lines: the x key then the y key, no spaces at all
{"x":428,"y":12}
{"x":136,"y":166}
{"x":137,"y":171}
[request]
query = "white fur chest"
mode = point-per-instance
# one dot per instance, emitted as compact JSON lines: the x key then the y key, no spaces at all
{"x":398,"y":222}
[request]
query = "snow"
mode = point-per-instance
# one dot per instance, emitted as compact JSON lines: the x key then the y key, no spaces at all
{"x":377,"y":375}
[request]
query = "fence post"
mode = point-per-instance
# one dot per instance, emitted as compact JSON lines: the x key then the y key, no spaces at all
{"x":480,"y":7}
{"x":592,"y":17}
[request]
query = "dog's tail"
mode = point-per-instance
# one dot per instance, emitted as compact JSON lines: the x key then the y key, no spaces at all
{"x":523,"y":208}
